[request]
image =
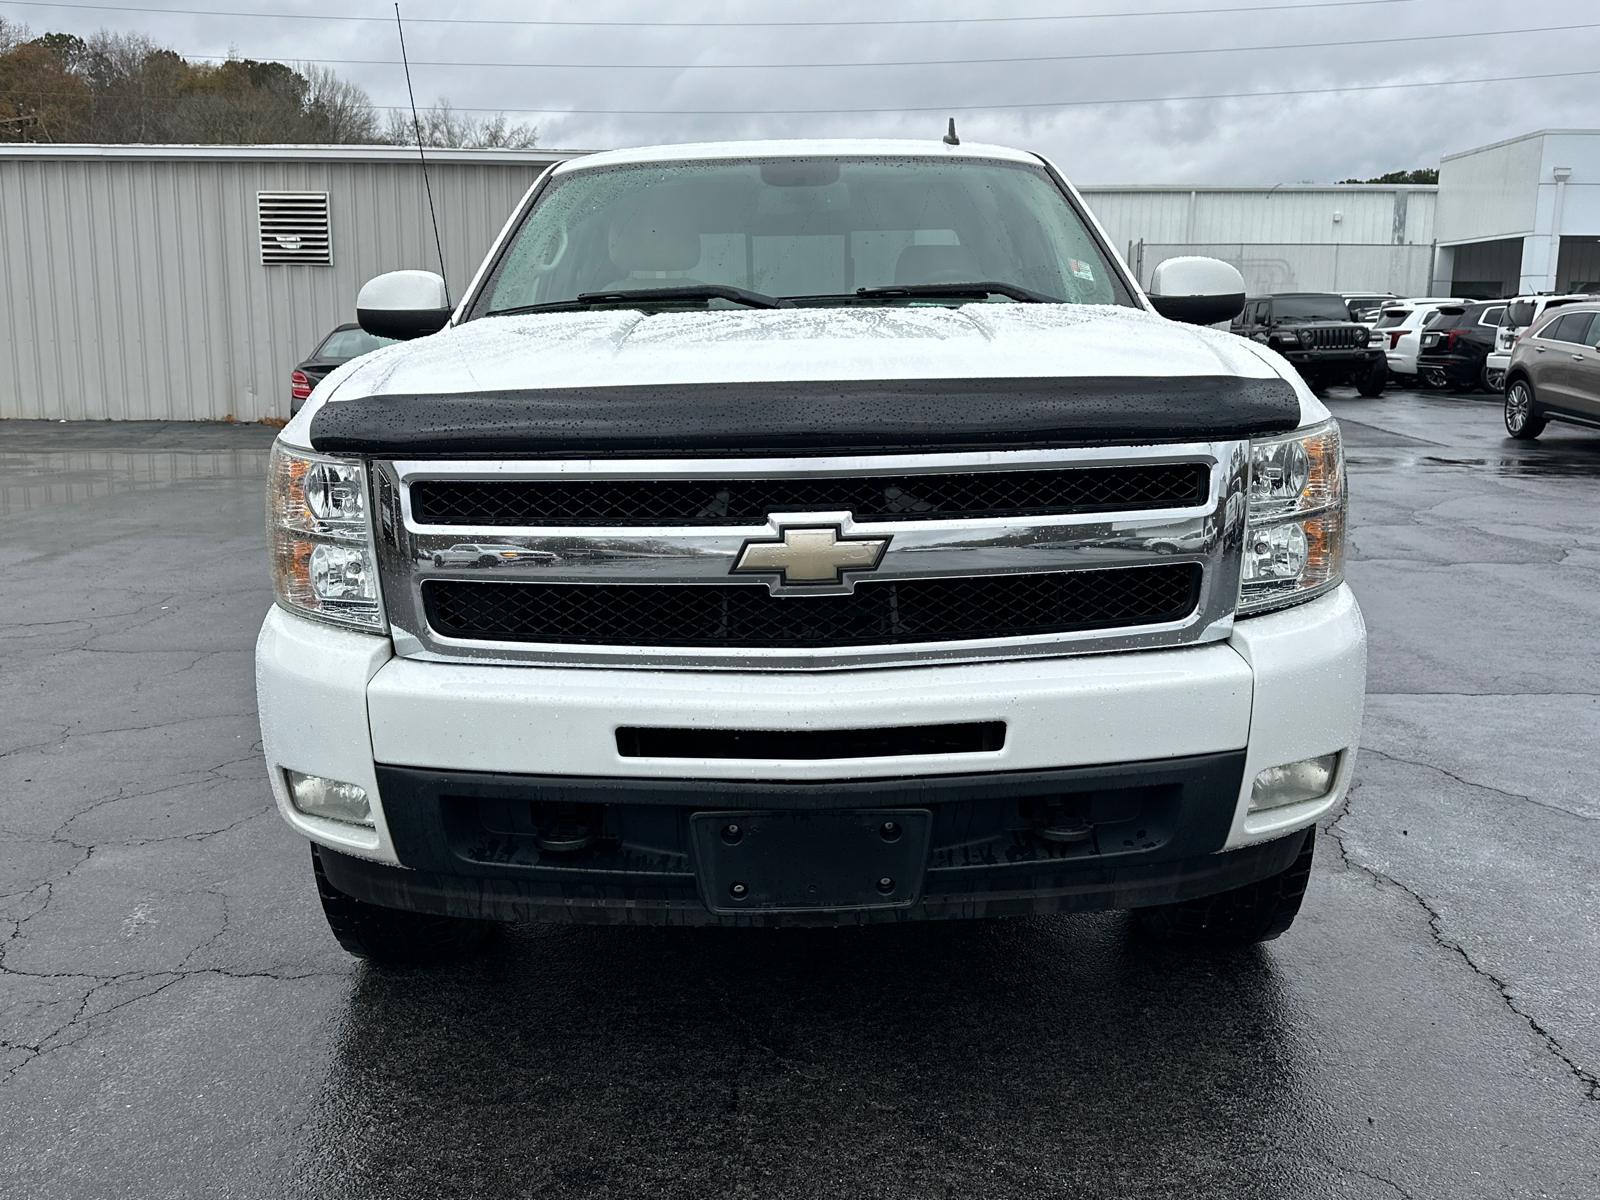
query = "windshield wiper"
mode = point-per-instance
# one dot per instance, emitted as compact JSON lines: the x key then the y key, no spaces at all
{"x":1011,"y":290}
{"x":693,"y":291}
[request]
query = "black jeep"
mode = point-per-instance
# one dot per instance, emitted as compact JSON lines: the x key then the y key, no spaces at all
{"x":1313,"y":330}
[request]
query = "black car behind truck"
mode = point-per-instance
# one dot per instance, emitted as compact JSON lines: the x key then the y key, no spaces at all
{"x":1457,"y":343}
{"x":1313,"y":330}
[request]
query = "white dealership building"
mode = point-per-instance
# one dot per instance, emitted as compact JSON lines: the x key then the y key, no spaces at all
{"x":184,"y":282}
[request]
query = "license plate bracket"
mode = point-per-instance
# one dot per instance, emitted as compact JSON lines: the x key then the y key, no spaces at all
{"x":802,"y":861}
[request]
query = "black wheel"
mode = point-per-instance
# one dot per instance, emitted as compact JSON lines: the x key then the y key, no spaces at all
{"x":392,"y":936}
{"x":1257,"y":912}
{"x":1371,"y":384}
{"x":1523,"y":421}
{"x":1485,"y":380}
{"x":438,"y":560}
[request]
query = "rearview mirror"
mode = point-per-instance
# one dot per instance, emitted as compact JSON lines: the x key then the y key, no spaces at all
{"x":403,"y":304}
{"x":1196,"y":291}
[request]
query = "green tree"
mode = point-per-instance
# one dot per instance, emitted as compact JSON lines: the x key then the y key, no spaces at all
{"x":1420,"y":175}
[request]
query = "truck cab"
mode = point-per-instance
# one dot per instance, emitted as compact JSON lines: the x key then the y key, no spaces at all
{"x":868,"y":547}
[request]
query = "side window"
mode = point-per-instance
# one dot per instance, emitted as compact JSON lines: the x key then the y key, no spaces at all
{"x":1491,"y":316}
{"x":1570,"y":327}
{"x":1550,"y":330}
{"x":1263,"y":312}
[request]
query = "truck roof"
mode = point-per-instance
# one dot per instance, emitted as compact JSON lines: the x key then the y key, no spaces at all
{"x":799,"y":148}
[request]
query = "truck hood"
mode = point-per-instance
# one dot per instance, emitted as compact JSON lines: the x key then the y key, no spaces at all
{"x":623,"y":347}
{"x":795,"y":379}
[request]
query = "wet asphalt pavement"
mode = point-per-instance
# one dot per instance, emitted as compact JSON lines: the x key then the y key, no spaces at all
{"x":175,"y":1020}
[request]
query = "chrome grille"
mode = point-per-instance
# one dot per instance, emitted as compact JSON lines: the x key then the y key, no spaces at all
{"x":1019,"y":553}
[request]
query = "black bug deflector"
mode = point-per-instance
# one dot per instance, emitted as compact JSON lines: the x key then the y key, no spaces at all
{"x":810,"y":417}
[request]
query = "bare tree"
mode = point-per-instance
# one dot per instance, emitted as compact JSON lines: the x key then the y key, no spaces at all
{"x":339,"y":111}
{"x":12,"y":35}
{"x":442,"y":125}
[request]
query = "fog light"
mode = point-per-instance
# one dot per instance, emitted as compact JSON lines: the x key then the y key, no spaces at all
{"x":330,"y":799}
{"x":1308,"y":779}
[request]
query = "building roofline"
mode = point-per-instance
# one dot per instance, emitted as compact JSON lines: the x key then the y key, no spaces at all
{"x":1522,"y":137}
{"x":25,"y":151}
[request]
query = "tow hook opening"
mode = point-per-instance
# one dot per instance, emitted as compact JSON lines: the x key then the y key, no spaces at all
{"x":564,"y":828}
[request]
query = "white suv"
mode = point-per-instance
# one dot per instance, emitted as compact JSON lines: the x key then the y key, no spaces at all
{"x":1399,"y":330}
{"x":892,"y":556}
{"x":1520,"y":313}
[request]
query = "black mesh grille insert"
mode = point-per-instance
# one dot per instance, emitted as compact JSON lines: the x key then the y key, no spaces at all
{"x":968,"y":738}
{"x":748,"y":501}
{"x":879,"y":612}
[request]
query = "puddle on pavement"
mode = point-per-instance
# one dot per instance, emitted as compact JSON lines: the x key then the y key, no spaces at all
{"x":74,"y":478}
{"x":1557,"y":465}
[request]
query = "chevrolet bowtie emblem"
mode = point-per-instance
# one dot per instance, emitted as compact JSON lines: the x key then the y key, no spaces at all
{"x":813,"y":555}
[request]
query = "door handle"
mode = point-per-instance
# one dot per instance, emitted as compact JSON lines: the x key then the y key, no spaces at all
{"x":1538,"y":349}
{"x":1577,"y":358}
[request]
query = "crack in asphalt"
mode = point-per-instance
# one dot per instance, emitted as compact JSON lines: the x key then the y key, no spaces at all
{"x":1345,"y":1168}
{"x":1590,"y":1081}
{"x":1482,"y":787}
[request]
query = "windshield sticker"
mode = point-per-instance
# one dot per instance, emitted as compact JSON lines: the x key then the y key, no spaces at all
{"x":1081,"y":269}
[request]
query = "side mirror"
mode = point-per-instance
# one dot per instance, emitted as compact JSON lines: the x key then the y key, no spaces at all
{"x":1197,"y":291}
{"x":403,"y":304}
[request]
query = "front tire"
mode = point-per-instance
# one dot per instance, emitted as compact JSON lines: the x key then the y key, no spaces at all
{"x":1372,"y":383}
{"x":1523,"y":421}
{"x":392,"y":936}
{"x":1257,"y":912}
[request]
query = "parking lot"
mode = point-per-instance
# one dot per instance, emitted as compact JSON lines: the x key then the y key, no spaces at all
{"x":175,"y":1019}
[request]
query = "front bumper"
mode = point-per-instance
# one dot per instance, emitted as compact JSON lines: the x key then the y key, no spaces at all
{"x":432,"y":741}
{"x":1334,"y":360}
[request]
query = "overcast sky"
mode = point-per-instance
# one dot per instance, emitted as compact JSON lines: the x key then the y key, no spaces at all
{"x":1185,"y":52}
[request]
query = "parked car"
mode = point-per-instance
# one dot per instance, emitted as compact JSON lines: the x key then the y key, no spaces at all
{"x":1457,"y":342}
{"x":1398,"y":333}
{"x":487,"y":554}
{"x":1521,"y":312}
{"x":339,"y":347}
{"x":936,"y":571}
{"x":1364,"y":307}
{"x":1554,"y":374}
{"x":1313,"y":330}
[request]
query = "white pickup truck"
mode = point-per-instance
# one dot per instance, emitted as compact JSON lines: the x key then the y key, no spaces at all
{"x":869,"y":547}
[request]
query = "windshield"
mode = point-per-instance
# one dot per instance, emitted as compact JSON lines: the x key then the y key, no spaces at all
{"x":1393,"y":318}
{"x":812,"y":228}
{"x":1518,"y":314}
{"x":1309,"y":308}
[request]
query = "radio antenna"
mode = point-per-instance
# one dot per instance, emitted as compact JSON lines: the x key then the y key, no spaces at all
{"x":416,"y":124}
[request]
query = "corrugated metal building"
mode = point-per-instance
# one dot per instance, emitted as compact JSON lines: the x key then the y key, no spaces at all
{"x":1337,"y":238}
{"x":183,"y":282}
{"x":1522,"y":215}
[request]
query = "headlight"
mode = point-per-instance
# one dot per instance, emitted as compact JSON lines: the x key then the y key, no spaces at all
{"x":1307,"y":337}
{"x":1294,"y":542}
{"x":322,"y":561}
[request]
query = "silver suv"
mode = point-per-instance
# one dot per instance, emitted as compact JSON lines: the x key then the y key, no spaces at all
{"x":1554,"y":374}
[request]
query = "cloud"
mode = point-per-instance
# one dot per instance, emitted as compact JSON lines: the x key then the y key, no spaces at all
{"x":1267,"y":140}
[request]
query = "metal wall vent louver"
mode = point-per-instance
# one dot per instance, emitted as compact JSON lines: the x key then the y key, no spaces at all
{"x":294,"y":228}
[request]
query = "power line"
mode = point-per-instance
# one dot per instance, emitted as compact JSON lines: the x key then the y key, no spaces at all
{"x":279,"y":16}
{"x":958,"y":108}
{"x":932,"y":62}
